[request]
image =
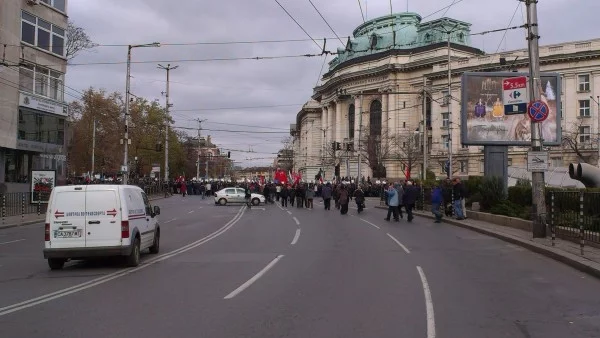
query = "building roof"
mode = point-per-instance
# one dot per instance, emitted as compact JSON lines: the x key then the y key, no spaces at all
{"x":400,"y":31}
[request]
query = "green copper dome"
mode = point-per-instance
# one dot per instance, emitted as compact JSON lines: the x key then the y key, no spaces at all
{"x":400,"y":31}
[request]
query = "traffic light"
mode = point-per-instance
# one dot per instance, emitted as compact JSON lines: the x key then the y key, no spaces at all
{"x":338,"y":146}
{"x":229,"y":154}
{"x":333,"y":146}
{"x":337,"y":170}
{"x":349,"y":146}
{"x":159,"y":147}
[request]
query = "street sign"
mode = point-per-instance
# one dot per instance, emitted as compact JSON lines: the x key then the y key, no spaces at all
{"x":538,"y":111}
{"x":124,"y":168}
{"x":537,"y":161}
{"x":515,"y":95}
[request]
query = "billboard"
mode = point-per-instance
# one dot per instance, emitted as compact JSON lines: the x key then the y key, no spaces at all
{"x":483,"y":119}
{"x":42,"y":183}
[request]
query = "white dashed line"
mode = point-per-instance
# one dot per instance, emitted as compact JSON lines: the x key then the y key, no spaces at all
{"x":191,"y":211}
{"x":169,"y":221}
{"x":371,"y":224}
{"x":428,"y":304}
{"x":296,"y":220}
{"x":296,"y":237}
{"x":253,"y":279}
{"x":398,"y":242}
{"x":289,"y":212}
{"x":15,"y":241}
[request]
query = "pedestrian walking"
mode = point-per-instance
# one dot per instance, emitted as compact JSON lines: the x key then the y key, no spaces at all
{"x":437,"y":200}
{"x":344,"y":199}
{"x":310,"y":194}
{"x":359,"y":198}
{"x":326,"y":195}
{"x":391,"y":195}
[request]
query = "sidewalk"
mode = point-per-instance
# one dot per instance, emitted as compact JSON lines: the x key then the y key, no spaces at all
{"x":28,"y":219}
{"x":563,"y":251}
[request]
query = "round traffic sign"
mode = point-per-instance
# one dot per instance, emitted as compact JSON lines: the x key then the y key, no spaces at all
{"x":538,"y":111}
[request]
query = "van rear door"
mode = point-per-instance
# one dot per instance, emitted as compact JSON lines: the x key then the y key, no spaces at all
{"x":67,"y":219}
{"x":103,"y":217}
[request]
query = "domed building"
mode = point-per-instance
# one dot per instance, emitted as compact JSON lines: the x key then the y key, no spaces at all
{"x":383,"y":106}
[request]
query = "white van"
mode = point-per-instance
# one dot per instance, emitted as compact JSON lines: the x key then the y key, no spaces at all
{"x":85,"y":221}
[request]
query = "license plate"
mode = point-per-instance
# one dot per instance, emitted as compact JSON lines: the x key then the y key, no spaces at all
{"x":67,"y":233}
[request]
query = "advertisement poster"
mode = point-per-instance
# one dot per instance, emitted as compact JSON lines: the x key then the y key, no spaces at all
{"x":484,"y":121}
{"x":42,"y":183}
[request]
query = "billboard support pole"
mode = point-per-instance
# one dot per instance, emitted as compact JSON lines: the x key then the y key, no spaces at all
{"x":537,"y":177}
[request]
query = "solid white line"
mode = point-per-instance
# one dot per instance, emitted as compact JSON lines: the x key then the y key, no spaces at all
{"x":253,"y":279}
{"x":101,"y":280}
{"x":296,"y":220}
{"x":400,"y":244}
{"x":428,"y":305}
{"x":16,"y":240}
{"x":296,"y":236}
{"x":169,"y":221}
{"x":289,"y":212}
{"x":364,"y":220}
{"x":190,"y":211}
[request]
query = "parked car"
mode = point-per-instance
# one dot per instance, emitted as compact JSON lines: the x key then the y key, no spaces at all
{"x":98,"y":220}
{"x":236,"y":195}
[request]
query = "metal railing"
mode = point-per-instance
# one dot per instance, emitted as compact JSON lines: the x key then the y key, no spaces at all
{"x":575,"y":215}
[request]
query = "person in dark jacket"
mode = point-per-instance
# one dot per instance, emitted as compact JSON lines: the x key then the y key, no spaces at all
{"x":409,"y":199}
{"x":437,"y":199}
{"x":344,"y":199}
{"x":283,"y":195}
{"x":326,"y":193}
{"x":359,"y":198}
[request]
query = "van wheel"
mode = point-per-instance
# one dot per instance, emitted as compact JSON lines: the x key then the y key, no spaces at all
{"x":156,"y":245}
{"x":222,"y":201}
{"x":56,"y":263}
{"x":255,"y":201}
{"x":133,"y":259}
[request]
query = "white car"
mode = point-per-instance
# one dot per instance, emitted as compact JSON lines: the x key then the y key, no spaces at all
{"x":236,"y":195}
{"x":98,"y":220}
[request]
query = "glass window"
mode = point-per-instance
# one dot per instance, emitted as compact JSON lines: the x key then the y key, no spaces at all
{"x":375,"y":118}
{"x":58,"y":44}
{"x":26,"y":78}
{"x":41,"y":127}
{"x":43,"y":39}
{"x":584,"y":82}
{"x":445,"y":120}
{"x":27,"y":33}
{"x":584,"y":108}
{"x":41,"y":81}
{"x":584,"y":134}
{"x":446,"y":141}
{"x":42,"y":34}
{"x":445,"y":97}
{"x":60,"y":5}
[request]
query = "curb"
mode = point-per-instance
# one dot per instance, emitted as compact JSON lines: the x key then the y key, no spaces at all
{"x":7,"y":226}
{"x":577,"y":262}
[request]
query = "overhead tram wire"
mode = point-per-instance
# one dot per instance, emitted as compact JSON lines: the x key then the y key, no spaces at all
{"x":447,"y":9}
{"x":297,"y":23}
{"x":234,"y":108}
{"x":235,"y":131}
{"x":327,"y":23}
{"x":361,"y":11}
{"x":509,"y":23}
{"x":243,"y":125}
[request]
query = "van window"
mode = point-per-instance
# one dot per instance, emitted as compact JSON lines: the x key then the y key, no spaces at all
{"x":147,"y":204}
{"x":230,"y":191}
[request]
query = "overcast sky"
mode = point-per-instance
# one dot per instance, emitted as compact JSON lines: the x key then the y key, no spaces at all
{"x":208,"y":89}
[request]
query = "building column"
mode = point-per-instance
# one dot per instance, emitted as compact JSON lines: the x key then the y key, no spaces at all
{"x":2,"y":165}
{"x":392,"y":113}
{"x":357,"y":120}
{"x":331,"y":123}
{"x":338,"y":122}
{"x":324,"y":125}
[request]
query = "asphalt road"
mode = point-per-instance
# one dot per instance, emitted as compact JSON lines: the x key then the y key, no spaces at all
{"x":268,"y":272}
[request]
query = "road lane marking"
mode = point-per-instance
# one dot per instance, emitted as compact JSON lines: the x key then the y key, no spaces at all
{"x":428,"y":304}
{"x":16,"y":240}
{"x":191,"y":211}
{"x":296,"y":236}
{"x":400,"y":244}
{"x":279,"y":206}
{"x":169,"y":221}
{"x":253,"y":279}
{"x":364,"y":220}
{"x":289,"y":212}
{"x":296,"y":220}
{"x":106,"y":278}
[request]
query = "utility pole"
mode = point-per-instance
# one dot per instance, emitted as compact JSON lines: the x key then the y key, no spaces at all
{"x":94,"y":147}
{"x":360,"y":126}
{"x":425,"y":138}
{"x":126,"y":139}
{"x":537,"y":177}
{"x":597,"y":101}
{"x":168,"y":68}
{"x":450,"y":171}
{"x":198,"y":162}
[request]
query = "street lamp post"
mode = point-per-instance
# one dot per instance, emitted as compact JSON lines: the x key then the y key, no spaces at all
{"x":127,"y":87}
{"x":597,"y":101}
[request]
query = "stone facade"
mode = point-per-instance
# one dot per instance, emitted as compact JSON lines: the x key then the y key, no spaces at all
{"x":394,"y":94}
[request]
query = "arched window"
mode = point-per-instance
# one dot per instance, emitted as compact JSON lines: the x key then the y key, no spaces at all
{"x":375,"y":118}
{"x":351,"y":121}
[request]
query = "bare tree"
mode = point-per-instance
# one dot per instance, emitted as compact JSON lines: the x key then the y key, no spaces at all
{"x":285,"y":157}
{"x":408,"y":151}
{"x":377,"y":148}
{"x":77,"y":41}
{"x":579,"y":141}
